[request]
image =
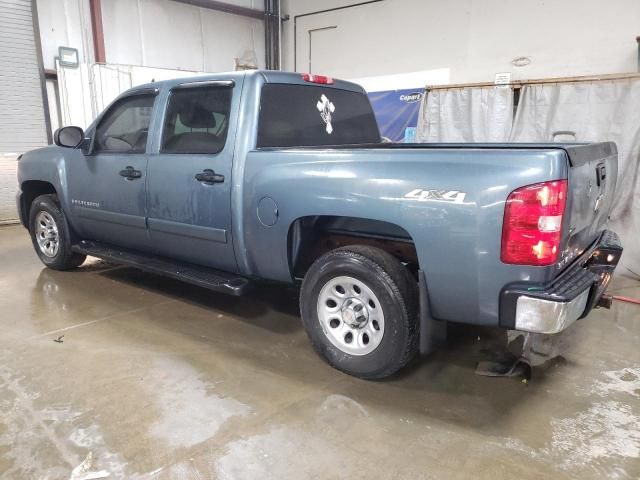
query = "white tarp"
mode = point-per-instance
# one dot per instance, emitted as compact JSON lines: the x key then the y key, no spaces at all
{"x":466,"y":115}
{"x":595,"y":111}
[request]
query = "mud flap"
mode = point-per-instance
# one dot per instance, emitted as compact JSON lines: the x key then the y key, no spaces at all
{"x":433,"y":333}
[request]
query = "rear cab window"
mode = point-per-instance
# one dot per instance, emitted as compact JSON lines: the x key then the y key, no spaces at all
{"x":197,"y":120}
{"x":310,"y":115}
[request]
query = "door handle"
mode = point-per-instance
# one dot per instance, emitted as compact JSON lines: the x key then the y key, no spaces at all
{"x":130,"y":173}
{"x":209,"y":177}
{"x":601,"y":173}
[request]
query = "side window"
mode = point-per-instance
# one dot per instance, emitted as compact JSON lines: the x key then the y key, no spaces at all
{"x":197,"y":120}
{"x":125,"y":127}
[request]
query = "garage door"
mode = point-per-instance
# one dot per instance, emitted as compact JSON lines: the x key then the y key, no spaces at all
{"x":22,"y":123}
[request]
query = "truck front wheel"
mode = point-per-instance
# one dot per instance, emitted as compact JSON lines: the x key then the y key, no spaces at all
{"x":359,"y":307}
{"x":50,"y":234}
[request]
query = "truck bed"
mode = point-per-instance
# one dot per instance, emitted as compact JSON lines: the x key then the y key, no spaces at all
{"x":457,"y":242}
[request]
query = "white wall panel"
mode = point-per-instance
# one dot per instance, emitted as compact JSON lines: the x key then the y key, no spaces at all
{"x":229,"y":37}
{"x":154,"y":33}
{"x":171,"y":35}
{"x":166,"y":34}
{"x":474,"y":39}
{"x":122,"y":32}
{"x":65,"y":23}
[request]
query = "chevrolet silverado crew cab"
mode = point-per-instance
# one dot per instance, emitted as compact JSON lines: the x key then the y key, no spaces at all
{"x":227,"y":179}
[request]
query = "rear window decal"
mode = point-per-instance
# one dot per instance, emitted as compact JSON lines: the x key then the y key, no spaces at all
{"x":326,"y":108}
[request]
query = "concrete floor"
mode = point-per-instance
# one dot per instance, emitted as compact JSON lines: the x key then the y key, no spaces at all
{"x":158,"y":379}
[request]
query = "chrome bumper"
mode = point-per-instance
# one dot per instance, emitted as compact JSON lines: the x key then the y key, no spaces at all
{"x":552,"y":307}
{"x":546,"y":316}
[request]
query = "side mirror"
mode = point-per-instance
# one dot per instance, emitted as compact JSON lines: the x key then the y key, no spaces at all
{"x":69,"y":137}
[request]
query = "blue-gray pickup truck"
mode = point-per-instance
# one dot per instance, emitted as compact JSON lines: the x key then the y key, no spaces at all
{"x":229,"y":179}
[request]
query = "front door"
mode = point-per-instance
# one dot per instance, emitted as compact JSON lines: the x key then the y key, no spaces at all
{"x":189,"y":182}
{"x":107,"y":186}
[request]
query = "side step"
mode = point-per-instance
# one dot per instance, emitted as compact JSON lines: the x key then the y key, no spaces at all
{"x":187,"y":272}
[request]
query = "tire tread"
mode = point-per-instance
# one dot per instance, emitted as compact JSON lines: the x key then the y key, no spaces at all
{"x":67,"y":259}
{"x":404,"y":289}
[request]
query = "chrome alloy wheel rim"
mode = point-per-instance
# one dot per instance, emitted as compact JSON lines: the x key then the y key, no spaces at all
{"x":350,"y":315}
{"x":47,"y":234}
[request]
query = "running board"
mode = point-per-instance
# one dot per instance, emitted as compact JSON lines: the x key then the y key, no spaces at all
{"x":187,"y":272}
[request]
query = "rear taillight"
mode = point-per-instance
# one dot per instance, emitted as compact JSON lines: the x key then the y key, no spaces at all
{"x":532,"y":226}
{"x":321,"y":79}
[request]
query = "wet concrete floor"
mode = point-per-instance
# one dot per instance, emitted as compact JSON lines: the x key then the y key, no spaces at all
{"x":110,"y":370}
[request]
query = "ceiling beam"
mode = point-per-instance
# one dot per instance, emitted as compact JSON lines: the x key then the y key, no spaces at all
{"x":225,"y":7}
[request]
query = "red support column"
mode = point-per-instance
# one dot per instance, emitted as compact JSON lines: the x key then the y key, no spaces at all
{"x":96,"y":27}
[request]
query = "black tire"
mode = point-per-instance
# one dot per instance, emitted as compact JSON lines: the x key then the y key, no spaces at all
{"x":64,"y":258}
{"x":397,"y":293}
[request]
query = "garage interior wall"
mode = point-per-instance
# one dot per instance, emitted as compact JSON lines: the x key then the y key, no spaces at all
{"x":473,"y":39}
{"x":172,"y":38}
{"x":22,"y":120}
{"x":87,"y":90}
{"x":154,"y":33}
{"x":167,"y":34}
{"x":144,"y":40}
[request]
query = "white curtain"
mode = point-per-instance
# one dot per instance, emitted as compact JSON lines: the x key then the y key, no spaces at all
{"x":466,"y":115}
{"x":597,"y":111}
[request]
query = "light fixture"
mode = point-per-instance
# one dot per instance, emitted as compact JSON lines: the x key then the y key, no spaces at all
{"x":68,"y":57}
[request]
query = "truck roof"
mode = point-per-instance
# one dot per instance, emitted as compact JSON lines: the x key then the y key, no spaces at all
{"x":264,"y":76}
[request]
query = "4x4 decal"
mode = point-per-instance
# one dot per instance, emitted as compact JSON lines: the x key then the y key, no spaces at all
{"x":454,"y":196}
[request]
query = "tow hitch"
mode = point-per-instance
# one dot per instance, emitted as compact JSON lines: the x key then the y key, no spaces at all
{"x":605,"y":301}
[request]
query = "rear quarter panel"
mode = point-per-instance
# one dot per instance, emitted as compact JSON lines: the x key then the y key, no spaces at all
{"x":458,"y":244}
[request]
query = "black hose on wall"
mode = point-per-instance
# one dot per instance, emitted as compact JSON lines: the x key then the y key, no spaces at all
{"x":271,"y":32}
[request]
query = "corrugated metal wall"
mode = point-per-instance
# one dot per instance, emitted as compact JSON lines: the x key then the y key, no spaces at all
{"x":22,"y":119}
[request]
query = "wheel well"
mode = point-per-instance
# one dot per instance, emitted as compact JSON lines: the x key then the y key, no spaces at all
{"x":312,"y":236}
{"x":31,"y":189}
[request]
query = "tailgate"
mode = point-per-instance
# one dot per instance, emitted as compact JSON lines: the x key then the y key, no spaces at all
{"x":592,"y":183}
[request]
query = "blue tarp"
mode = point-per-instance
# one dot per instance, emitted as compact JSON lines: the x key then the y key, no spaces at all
{"x":397,"y":113}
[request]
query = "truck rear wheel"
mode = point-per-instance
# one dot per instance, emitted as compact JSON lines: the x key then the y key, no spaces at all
{"x":50,"y":234}
{"x":359,"y":307}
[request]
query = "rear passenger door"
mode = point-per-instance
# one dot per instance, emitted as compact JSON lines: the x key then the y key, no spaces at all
{"x":189,"y":179}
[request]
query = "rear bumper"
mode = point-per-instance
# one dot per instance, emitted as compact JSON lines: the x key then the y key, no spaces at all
{"x":551,"y":308}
